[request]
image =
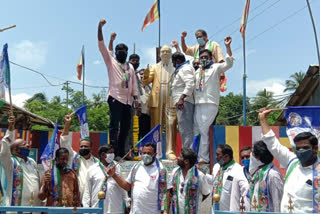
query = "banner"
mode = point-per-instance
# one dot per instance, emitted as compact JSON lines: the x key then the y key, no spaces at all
{"x":83,"y":120}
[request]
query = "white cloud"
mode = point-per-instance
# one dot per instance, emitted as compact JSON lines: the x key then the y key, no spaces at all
{"x":31,"y":54}
{"x":18,"y":99}
{"x":274,"y":85}
{"x":97,"y":62}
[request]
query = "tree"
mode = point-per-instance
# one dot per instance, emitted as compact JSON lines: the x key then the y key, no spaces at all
{"x":293,"y":83}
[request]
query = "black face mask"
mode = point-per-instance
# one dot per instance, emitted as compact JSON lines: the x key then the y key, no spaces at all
{"x":181,"y":164}
{"x":60,"y":166}
{"x":135,"y":65}
{"x":196,"y":67}
{"x":84,"y":152}
{"x":121,"y":56}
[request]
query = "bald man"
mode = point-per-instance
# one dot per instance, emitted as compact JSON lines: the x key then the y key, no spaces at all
{"x":22,"y":173}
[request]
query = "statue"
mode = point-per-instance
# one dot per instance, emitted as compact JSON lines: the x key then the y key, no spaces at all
{"x":160,"y":102}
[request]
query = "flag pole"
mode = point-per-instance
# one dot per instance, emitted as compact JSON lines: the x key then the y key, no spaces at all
{"x":10,"y":99}
{"x":83,"y":73}
{"x":244,"y":103}
{"x":159,"y":24}
{"x":315,"y":33}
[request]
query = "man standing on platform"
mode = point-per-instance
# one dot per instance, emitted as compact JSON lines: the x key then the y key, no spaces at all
{"x":80,"y":162}
{"x":22,"y":175}
{"x":181,"y":88}
{"x":122,"y":91}
{"x":207,"y":95}
{"x":147,"y":181}
{"x":245,"y":154}
{"x":161,"y":103}
{"x":99,"y":181}
{"x":59,"y":185}
{"x":301,"y":189}
{"x":188,"y":185}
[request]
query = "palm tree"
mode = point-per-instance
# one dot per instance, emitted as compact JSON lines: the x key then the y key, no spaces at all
{"x":41,"y":97}
{"x":292,"y":85}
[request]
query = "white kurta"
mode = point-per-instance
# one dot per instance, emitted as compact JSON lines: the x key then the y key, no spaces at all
{"x":229,"y":175}
{"x":66,"y":142}
{"x":145,"y":191}
{"x":239,"y":189}
{"x":296,"y":186}
{"x":203,"y":188}
{"x":31,"y":177}
{"x":113,"y":202}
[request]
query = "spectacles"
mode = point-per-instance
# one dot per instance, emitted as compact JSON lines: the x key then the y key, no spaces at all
{"x":181,"y":188}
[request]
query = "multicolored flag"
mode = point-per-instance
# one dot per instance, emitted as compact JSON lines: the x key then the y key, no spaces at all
{"x":154,"y":136}
{"x":302,"y":119}
{"x":48,"y":153}
{"x":244,"y":19}
{"x":83,"y":120}
{"x":80,"y":64}
{"x":152,"y":15}
{"x":4,"y":73}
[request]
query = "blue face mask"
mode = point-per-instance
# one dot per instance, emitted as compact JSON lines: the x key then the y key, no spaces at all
{"x":304,"y":155}
{"x":24,"y":152}
{"x":246,"y":163}
{"x":201,"y":41}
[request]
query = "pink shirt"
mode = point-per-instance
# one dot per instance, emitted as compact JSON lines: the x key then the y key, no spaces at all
{"x":115,"y":75}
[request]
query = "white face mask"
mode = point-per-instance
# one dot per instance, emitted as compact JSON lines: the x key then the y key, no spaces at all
{"x":109,"y":157}
{"x":254,"y":164}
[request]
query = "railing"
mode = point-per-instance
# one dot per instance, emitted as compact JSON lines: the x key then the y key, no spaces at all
{"x":52,"y":210}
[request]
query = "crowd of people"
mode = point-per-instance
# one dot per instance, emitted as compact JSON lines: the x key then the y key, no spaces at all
{"x":188,"y":96}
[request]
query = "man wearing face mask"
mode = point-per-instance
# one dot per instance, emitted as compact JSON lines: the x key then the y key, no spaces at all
{"x":302,"y":168}
{"x":266,"y":185}
{"x":21,"y":172}
{"x":207,"y":95}
{"x":160,"y":102}
{"x":122,"y":92}
{"x":147,"y":181}
{"x":98,"y":180}
{"x":196,"y":64}
{"x":59,"y":185}
{"x":188,"y":186}
{"x":80,"y":162}
{"x":223,"y":180}
{"x":245,"y":160}
{"x":181,"y":87}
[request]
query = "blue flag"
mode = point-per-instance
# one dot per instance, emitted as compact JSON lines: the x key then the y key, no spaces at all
{"x":83,"y":120}
{"x":154,"y":136}
{"x":5,"y":66}
{"x":302,"y":119}
{"x":48,"y":153}
{"x":196,"y":143}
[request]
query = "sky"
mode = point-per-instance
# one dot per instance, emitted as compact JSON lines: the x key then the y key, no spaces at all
{"x":49,"y":36}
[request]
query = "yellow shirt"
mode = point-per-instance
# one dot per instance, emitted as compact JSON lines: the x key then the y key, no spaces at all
{"x":217,"y":54}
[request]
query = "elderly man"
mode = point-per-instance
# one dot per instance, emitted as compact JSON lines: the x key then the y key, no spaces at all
{"x":59,"y":185}
{"x":302,"y":177}
{"x":80,"y":162}
{"x":147,"y":181}
{"x":21,"y":172}
{"x":207,"y":95}
{"x":160,"y":102}
{"x":122,"y":91}
{"x":98,"y":180}
{"x":181,"y":88}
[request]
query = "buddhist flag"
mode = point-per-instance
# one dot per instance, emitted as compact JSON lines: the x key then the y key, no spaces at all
{"x":153,"y":14}
{"x":244,"y":19}
{"x":80,"y":64}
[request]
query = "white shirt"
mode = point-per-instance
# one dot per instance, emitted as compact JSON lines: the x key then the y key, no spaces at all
{"x":211,"y":89}
{"x":113,"y":202}
{"x":66,"y":142}
{"x":227,"y":181}
{"x":31,"y":177}
{"x":145,"y":191}
{"x":183,"y":83}
{"x":295,"y":187}
{"x":202,"y":191}
{"x":240,"y":187}
{"x":143,"y":99}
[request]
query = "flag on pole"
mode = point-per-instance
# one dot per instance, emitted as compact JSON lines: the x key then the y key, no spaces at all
{"x":48,"y":153}
{"x":154,"y":136}
{"x":302,"y":119}
{"x":80,"y":64}
{"x":4,"y":73}
{"x":244,"y":19}
{"x":152,"y":15}
{"x":196,"y":143}
{"x":83,"y":120}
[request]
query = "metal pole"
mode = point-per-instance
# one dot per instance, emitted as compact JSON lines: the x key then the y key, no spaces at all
{"x":134,"y":48}
{"x":315,"y":33}
{"x":83,"y":73}
{"x":159,"y":25}
{"x":67,"y":93}
{"x":244,"y":103}
{"x":7,"y":28}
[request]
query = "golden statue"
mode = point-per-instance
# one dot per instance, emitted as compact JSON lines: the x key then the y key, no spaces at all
{"x":160,"y":102}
